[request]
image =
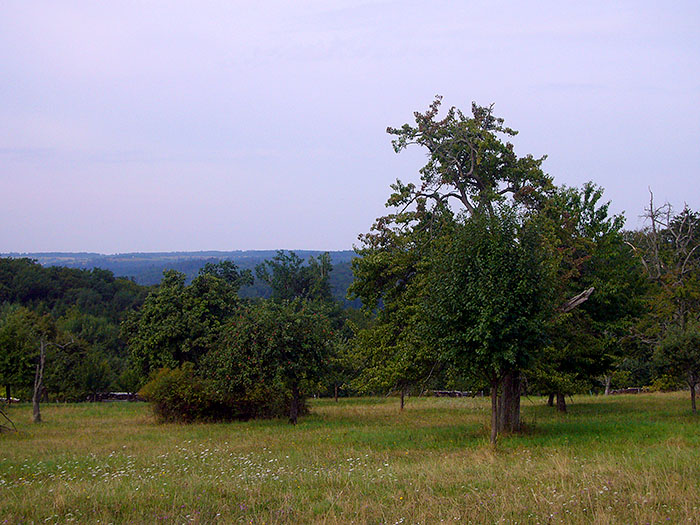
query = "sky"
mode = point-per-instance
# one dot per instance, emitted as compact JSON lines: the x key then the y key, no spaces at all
{"x":181,"y":126}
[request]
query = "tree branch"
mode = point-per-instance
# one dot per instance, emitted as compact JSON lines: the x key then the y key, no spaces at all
{"x":576,"y":300}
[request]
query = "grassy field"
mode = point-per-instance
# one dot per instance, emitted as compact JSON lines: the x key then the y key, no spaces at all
{"x":622,"y":459}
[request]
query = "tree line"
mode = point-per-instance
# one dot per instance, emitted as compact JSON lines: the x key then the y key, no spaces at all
{"x":485,"y":275}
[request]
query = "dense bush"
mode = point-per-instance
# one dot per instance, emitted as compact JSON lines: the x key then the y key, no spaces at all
{"x":181,"y":395}
{"x":178,"y":394}
{"x":665,"y":383}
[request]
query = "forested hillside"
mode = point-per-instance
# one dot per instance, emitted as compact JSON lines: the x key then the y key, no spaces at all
{"x":76,"y":315}
{"x":147,"y":268}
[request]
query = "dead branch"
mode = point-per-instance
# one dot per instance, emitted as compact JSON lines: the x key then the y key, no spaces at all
{"x":576,"y":300}
{"x":5,"y":428}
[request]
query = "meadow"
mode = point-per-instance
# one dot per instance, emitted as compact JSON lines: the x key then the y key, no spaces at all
{"x":618,"y":459}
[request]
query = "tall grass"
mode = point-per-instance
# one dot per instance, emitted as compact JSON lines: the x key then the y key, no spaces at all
{"x":624,"y":459}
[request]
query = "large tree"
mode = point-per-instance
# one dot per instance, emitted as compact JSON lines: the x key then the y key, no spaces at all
{"x":471,"y":169}
{"x":489,"y":301}
{"x":669,"y":249}
{"x":179,"y":323}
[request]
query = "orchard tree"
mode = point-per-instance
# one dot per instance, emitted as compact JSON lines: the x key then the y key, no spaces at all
{"x":391,"y":279}
{"x":589,"y":255}
{"x":490,"y":300}
{"x":179,"y":323}
{"x":471,"y":169}
{"x":271,"y":351}
{"x":679,"y":353}
{"x":669,"y":249}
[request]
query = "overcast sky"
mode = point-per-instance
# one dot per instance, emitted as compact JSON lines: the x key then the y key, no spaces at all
{"x":164,"y":126}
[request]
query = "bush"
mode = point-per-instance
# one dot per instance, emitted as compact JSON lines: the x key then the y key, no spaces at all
{"x":621,"y":379}
{"x":664,"y":383}
{"x":180,"y":395}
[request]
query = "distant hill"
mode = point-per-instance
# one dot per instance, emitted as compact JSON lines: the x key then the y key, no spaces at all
{"x":147,"y":268}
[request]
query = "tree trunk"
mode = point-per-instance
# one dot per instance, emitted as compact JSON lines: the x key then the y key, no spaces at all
{"x":335,"y":392}
{"x":509,"y":410}
{"x":403,"y":400}
{"x":494,"y":412}
{"x":693,"y":383}
{"x":561,"y":402}
{"x":38,"y":379}
{"x":607,"y":385}
{"x":550,"y":401}
{"x":294,"y":408}
{"x":8,"y":394}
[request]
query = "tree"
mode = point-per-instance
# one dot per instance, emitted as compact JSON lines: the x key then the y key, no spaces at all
{"x":42,"y":335}
{"x":471,"y":169}
{"x":179,"y":323}
{"x":669,"y":249}
{"x":589,"y":254}
{"x":489,"y":301}
{"x":271,"y":351}
{"x":679,"y":353}
{"x":228,"y":272}
{"x":290,"y":279}
{"x":16,"y":349}
{"x":26,"y":337}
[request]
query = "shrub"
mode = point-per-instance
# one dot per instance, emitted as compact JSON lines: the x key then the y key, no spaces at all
{"x":621,"y":379}
{"x":664,"y":383}
{"x":180,"y":395}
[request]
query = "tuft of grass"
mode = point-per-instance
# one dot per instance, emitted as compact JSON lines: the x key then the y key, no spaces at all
{"x":622,"y":459}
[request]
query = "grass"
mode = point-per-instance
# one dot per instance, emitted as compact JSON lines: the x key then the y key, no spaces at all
{"x":622,"y":459}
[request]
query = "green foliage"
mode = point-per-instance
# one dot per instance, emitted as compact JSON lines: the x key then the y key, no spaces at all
{"x":228,"y":272}
{"x":268,"y":352}
{"x":57,"y":289}
{"x":390,"y":279}
{"x":16,"y":347}
{"x":180,"y":395}
{"x":489,"y":295}
{"x":587,"y":251}
{"x":621,"y":379}
{"x":289,"y":279}
{"x":179,"y":323}
{"x":678,"y":353}
{"x":665,"y":383}
{"x":86,"y":306}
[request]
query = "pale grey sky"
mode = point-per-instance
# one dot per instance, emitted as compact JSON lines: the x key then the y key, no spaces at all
{"x":166,"y":125}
